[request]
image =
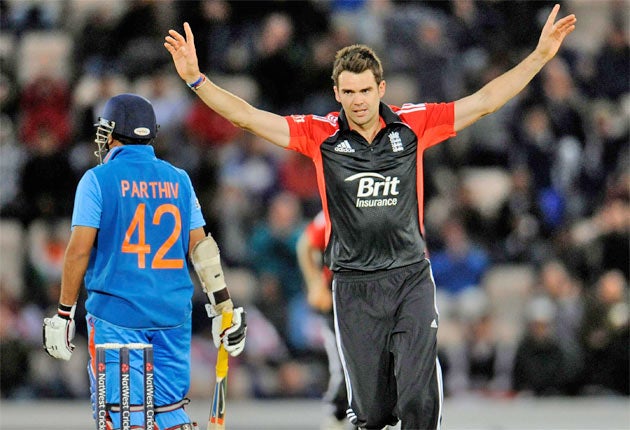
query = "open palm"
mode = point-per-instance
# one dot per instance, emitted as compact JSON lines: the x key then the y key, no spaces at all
{"x":553,"y":34}
{"x":183,"y":52}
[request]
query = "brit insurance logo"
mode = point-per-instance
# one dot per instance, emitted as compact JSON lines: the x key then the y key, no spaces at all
{"x":375,"y":190}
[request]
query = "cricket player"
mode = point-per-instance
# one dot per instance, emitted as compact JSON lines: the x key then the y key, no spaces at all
{"x":136,"y":219}
{"x":368,"y":159}
{"x":318,"y":280}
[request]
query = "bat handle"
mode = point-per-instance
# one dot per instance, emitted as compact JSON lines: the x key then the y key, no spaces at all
{"x":222,"y":355}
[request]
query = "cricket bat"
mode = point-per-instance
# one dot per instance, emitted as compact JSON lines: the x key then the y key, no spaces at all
{"x":217,"y":414}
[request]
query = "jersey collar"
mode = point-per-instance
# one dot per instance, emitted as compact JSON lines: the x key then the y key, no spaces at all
{"x":386,"y":114}
{"x":130,"y":151}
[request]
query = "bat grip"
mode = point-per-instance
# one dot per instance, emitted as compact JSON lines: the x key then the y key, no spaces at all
{"x":222,"y":355}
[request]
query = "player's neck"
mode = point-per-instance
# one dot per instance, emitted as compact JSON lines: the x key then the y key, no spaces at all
{"x":369,"y":130}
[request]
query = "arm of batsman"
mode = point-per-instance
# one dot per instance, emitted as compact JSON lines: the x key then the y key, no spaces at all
{"x":207,"y":263}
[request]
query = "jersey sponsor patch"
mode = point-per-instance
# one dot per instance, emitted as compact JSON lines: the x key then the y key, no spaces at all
{"x":375,"y":190}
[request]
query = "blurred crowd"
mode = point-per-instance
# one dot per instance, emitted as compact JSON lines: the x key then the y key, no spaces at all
{"x":527,"y":211}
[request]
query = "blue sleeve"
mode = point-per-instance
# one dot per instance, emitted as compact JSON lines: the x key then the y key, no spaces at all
{"x":196,"y":217}
{"x":88,"y":202}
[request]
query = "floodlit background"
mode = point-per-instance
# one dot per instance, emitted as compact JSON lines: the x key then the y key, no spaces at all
{"x":527,"y":211}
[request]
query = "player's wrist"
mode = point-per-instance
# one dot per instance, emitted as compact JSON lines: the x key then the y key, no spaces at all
{"x":65,"y":311}
{"x":197,"y":83}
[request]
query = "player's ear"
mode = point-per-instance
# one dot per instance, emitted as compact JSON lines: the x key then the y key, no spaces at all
{"x":381,"y":88}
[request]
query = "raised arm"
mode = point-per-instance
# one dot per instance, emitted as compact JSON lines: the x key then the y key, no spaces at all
{"x":267,"y":125}
{"x":501,"y":89}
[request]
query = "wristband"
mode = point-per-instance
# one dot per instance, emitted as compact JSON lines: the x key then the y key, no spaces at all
{"x":198,"y":83}
{"x":64,"y":311}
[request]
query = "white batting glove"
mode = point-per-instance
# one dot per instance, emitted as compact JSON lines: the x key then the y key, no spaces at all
{"x":58,"y":333}
{"x":233,"y":338}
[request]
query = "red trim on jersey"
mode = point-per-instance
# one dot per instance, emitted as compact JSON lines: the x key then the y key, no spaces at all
{"x":430,"y":131}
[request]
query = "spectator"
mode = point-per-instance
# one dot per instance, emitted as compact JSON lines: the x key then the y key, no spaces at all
{"x":539,"y":363}
{"x":566,"y":294}
{"x":206,"y":129}
{"x":424,"y":52}
{"x":536,"y":146}
{"x":563,"y":102}
{"x":217,"y":35}
{"x":481,"y":363}
{"x":602,"y":241}
{"x":15,"y":366}
{"x":461,"y":264}
{"x":519,"y":221}
{"x":135,"y":39}
{"x":249,"y":164}
{"x":612,"y":62}
{"x":605,"y":153}
{"x":278,"y":59}
{"x":45,"y":179}
{"x":273,"y":257}
{"x":317,"y":76}
{"x":247,"y":181}
{"x":605,"y":336}
{"x":45,"y":105}
{"x":96,"y":31}
{"x":12,"y":157}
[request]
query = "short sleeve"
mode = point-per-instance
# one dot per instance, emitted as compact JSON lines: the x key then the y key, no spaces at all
{"x":432,"y":122}
{"x":309,"y":131}
{"x":88,"y":202}
{"x":196,"y":216}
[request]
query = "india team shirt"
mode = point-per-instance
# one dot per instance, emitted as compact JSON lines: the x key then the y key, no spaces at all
{"x":144,"y":209}
{"x":372,"y":193}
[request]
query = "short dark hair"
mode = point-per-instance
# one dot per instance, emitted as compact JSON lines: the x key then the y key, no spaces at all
{"x":357,"y":59}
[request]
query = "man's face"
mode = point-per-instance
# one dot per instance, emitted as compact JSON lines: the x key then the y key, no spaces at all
{"x":359,"y":95}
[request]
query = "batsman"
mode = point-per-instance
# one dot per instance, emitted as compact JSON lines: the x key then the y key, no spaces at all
{"x":135,"y":223}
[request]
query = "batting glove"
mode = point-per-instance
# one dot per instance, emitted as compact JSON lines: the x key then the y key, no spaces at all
{"x":58,"y":333}
{"x":232,"y":338}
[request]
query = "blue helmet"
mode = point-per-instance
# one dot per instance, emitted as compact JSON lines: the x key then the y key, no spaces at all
{"x":128,"y":116}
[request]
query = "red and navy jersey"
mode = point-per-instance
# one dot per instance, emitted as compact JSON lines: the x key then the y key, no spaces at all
{"x":372,"y":193}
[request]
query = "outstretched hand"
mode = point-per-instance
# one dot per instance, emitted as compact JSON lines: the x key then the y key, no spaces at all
{"x":553,"y":33}
{"x":184,"y":55}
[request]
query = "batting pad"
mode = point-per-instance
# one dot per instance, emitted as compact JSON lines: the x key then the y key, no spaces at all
{"x":207,"y":263}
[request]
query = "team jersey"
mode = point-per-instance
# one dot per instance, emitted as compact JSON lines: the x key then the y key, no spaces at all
{"x":144,"y":209}
{"x":372,"y":194}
